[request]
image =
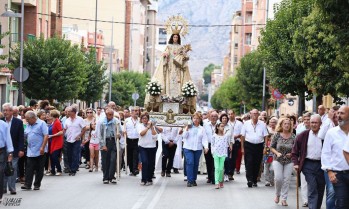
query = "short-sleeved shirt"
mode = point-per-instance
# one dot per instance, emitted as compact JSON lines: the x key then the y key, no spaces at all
{"x":346,"y":146}
{"x":35,"y":137}
{"x":220,"y":144}
{"x":131,"y":128}
{"x":148,"y":140}
{"x":284,"y":146}
{"x":236,"y":128}
{"x":73,"y":128}
{"x":254,"y":133}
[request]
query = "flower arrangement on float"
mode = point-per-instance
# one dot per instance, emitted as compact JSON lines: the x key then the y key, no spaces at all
{"x":189,"y":89}
{"x":153,"y":88}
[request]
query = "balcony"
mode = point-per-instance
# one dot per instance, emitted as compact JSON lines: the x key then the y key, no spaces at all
{"x":26,"y":2}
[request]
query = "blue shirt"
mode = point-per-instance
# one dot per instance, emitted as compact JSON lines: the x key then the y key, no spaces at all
{"x":5,"y":136}
{"x":35,"y":137}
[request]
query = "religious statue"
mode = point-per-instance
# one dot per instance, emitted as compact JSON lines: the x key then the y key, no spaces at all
{"x":173,"y":71}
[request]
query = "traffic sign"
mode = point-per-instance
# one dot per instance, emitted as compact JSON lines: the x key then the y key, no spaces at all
{"x":276,"y":94}
{"x":135,"y":96}
{"x":290,"y":102}
{"x":25,"y":74}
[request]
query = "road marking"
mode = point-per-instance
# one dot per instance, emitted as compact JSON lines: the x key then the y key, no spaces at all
{"x":158,"y":194}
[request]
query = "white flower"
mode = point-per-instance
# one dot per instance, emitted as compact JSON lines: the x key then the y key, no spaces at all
{"x":153,"y":88}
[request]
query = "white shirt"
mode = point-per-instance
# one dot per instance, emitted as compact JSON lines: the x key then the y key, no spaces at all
{"x":73,"y":128}
{"x":195,"y":138}
{"x":236,"y":128}
{"x":210,"y":130}
{"x":300,"y":128}
{"x":332,"y":157}
{"x":314,"y":147}
{"x":131,"y":130}
{"x":94,"y":137}
{"x":327,"y":125}
{"x":170,"y":133}
{"x":346,"y":146}
{"x":220,"y":144}
{"x":148,"y":140}
{"x":324,"y":117}
{"x":254,"y":133}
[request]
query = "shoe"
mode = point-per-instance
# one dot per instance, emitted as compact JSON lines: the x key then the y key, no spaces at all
{"x":217,"y":186}
{"x":149,"y":183}
{"x":284,"y":203}
{"x":105,"y":181}
{"x":25,"y":188}
{"x":143,"y":183}
{"x":209,"y":181}
{"x":189,"y":184}
{"x":96,"y":169}
{"x":13,"y":193}
{"x":254,"y":185}
{"x":195,"y":184}
{"x":136,"y":173}
{"x":277,"y":199}
{"x":221,"y":185}
{"x":162,"y":173}
{"x":22,"y":180}
{"x":131,"y":174}
{"x":185,"y":179}
{"x":58,"y":174}
{"x":168,"y":175}
{"x":66,"y":170}
{"x":49,"y":174}
{"x":87,"y":167}
{"x":175,"y":170}
{"x":267,"y":184}
{"x":36,"y":188}
{"x":153,"y":177}
{"x":305,"y":205}
{"x":226,"y":179}
{"x":73,"y":174}
{"x":230,"y":177}
{"x":90,"y":170}
{"x":249,"y":184}
{"x":113,"y":181}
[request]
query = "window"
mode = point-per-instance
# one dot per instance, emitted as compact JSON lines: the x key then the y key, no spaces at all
{"x":248,"y":38}
{"x":47,"y":30}
{"x":236,"y":45}
{"x":248,"y":17}
{"x":235,"y":59}
{"x":162,"y":36}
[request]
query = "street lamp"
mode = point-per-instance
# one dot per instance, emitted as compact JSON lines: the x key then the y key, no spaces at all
{"x":10,"y":13}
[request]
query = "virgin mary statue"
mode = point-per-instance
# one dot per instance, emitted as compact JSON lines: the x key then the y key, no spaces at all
{"x":172,"y":71}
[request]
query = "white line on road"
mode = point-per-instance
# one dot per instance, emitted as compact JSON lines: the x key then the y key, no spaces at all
{"x":158,"y":194}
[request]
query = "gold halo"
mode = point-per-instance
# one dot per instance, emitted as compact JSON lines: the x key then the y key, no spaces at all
{"x":177,"y":25}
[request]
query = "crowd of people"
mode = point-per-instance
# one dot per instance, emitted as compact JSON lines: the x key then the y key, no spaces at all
{"x":38,"y":139}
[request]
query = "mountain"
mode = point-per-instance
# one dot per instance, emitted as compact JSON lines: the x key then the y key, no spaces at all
{"x":210,"y":44}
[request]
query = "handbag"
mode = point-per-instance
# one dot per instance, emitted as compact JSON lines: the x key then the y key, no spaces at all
{"x":9,"y":171}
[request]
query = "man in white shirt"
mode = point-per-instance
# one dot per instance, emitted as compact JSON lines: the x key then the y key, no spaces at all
{"x":74,"y":129}
{"x":321,"y":110}
{"x":210,"y":128}
{"x":169,"y":138}
{"x":132,"y":140}
{"x":333,"y":160}
{"x":346,"y":152}
{"x":329,"y":123}
{"x":236,"y":127}
{"x":306,"y":156}
{"x":253,"y":137}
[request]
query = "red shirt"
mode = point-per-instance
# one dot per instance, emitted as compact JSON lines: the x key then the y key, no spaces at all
{"x":57,"y":141}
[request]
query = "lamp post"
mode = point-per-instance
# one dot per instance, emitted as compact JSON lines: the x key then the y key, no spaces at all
{"x":10,"y":13}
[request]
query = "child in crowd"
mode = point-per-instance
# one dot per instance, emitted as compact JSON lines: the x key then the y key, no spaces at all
{"x":220,"y":143}
{"x":94,"y":147}
{"x":268,"y":167}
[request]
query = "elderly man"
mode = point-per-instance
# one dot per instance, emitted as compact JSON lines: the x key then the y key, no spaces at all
{"x":306,"y":156}
{"x":333,"y":161}
{"x":17,"y":135}
{"x":329,"y":123}
{"x":37,"y":136}
{"x":132,"y":140}
{"x":74,"y":129}
{"x":253,"y":137}
{"x":321,"y":110}
{"x":108,"y":129}
{"x":210,"y":129}
{"x":6,"y":149}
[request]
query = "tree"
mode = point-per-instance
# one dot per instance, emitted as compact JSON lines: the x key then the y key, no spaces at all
{"x":276,"y":43}
{"x":56,"y":69}
{"x":228,"y":96}
{"x":250,"y":79}
{"x":126,"y":83}
{"x":316,"y":48}
{"x":3,"y":56}
{"x":207,"y":73}
{"x":93,"y":87}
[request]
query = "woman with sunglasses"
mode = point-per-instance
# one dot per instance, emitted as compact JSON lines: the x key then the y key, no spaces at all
{"x":86,"y":143}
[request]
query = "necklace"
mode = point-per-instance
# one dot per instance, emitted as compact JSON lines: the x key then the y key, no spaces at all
{"x":254,"y":126}
{"x":134,"y":122}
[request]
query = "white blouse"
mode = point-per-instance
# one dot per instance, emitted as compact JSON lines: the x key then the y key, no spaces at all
{"x":195,"y":138}
{"x":220,"y":144}
{"x":148,"y":140}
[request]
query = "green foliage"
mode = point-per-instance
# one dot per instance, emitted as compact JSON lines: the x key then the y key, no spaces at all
{"x":3,"y":56}
{"x":126,"y":83}
{"x":93,"y":86}
{"x":228,"y":96}
{"x":276,"y":45}
{"x":207,"y":73}
{"x":316,"y":49}
{"x":56,"y":69}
